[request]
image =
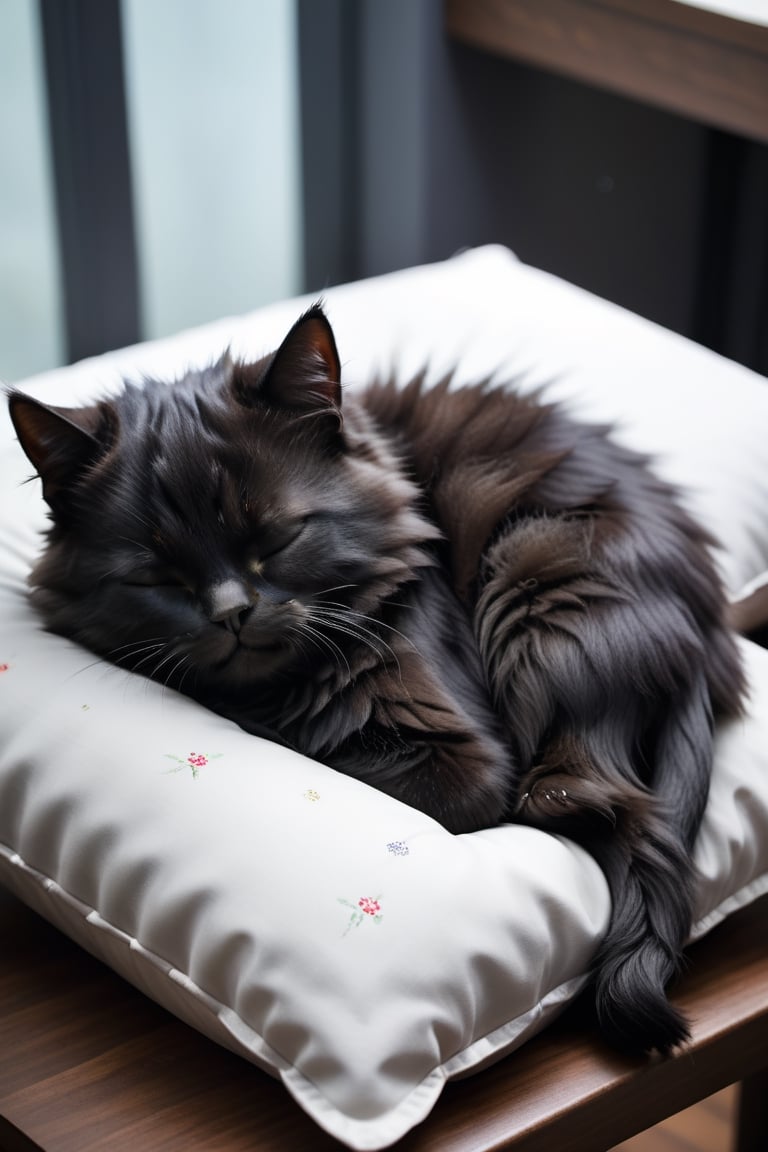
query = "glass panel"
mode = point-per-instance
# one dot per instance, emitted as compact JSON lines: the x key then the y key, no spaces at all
{"x":212,"y":91}
{"x":31,"y":329}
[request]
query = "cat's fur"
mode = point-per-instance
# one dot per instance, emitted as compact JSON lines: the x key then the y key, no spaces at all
{"x":459,"y":596}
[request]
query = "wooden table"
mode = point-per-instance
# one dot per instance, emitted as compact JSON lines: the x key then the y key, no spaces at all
{"x":701,"y":64}
{"x":87,"y":1063}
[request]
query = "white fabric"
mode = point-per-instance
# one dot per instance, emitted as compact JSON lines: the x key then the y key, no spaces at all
{"x":327,"y":932}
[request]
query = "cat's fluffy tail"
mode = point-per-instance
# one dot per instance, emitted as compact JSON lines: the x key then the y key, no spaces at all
{"x":643,"y":841}
{"x":632,"y":972}
{"x":653,"y":888}
{"x":642,"y":951}
{"x":649,"y":875}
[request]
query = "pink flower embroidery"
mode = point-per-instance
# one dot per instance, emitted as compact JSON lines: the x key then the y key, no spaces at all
{"x":4,"y":667}
{"x":195,"y":761}
{"x":370,"y":906}
{"x":367,"y":908}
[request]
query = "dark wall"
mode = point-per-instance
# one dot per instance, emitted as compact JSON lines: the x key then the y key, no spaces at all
{"x":658,"y":213}
{"x":601,"y":190}
{"x":446,"y":146}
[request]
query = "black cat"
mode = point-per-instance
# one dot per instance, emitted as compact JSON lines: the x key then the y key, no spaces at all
{"x":460,"y":596}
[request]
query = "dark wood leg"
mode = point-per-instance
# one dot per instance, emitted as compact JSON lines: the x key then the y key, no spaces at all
{"x":752,"y":1117}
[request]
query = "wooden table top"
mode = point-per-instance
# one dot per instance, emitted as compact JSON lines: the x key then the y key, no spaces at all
{"x":706,"y":65}
{"x":87,"y":1063}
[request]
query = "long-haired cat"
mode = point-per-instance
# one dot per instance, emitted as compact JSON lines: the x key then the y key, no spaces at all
{"x":460,"y":596}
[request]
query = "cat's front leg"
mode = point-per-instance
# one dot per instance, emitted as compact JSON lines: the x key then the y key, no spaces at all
{"x":457,"y":777}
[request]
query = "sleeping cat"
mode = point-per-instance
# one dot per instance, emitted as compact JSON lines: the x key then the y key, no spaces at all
{"x":460,"y":596}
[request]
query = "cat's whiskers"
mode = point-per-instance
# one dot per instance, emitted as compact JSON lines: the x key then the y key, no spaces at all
{"x":185,"y":656}
{"x":370,"y":619}
{"x":166,"y":659}
{"x":340,"y":612}
{"x":296,"y":638}
{"x":102,"y":661}
{"x":156,"y":640}
{"x":335,"y":588}
{"x":151,"y":650}
{"x":339,"y":622}
{"x":86,"y":667}
{"x":305,"y":629}
{"x":190,"y":668}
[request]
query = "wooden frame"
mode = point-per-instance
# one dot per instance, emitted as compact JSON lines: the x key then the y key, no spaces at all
{"x":697,"y":63}
{"x":89,"y":1063}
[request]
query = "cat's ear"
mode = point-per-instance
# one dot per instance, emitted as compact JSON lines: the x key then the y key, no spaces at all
{"x":60,"y":442}
{"x":304,"y":373}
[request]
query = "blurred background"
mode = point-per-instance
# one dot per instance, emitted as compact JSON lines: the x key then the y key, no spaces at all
{"x":168,"y":162}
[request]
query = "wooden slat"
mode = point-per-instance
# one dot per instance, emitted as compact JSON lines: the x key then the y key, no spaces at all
{"x":87,"y":1063}
{"x":697,"y":63}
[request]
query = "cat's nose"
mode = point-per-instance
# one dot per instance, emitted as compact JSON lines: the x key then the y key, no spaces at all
{"x":234,"y":620}
{"x":228,"y":603}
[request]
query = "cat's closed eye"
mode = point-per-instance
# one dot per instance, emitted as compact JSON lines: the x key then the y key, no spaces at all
{"x":274,"y":538}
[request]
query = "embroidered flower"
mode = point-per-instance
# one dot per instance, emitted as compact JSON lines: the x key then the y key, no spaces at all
{"x":4,"y":667}
{"x":195,"y":761}
{"x":398,"y":848}
{"x":366,"y":908}
{"x":369,"y":906}
{"x":312,"y":794}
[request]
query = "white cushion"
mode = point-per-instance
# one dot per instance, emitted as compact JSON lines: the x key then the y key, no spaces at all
{"x":325,"y":931}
